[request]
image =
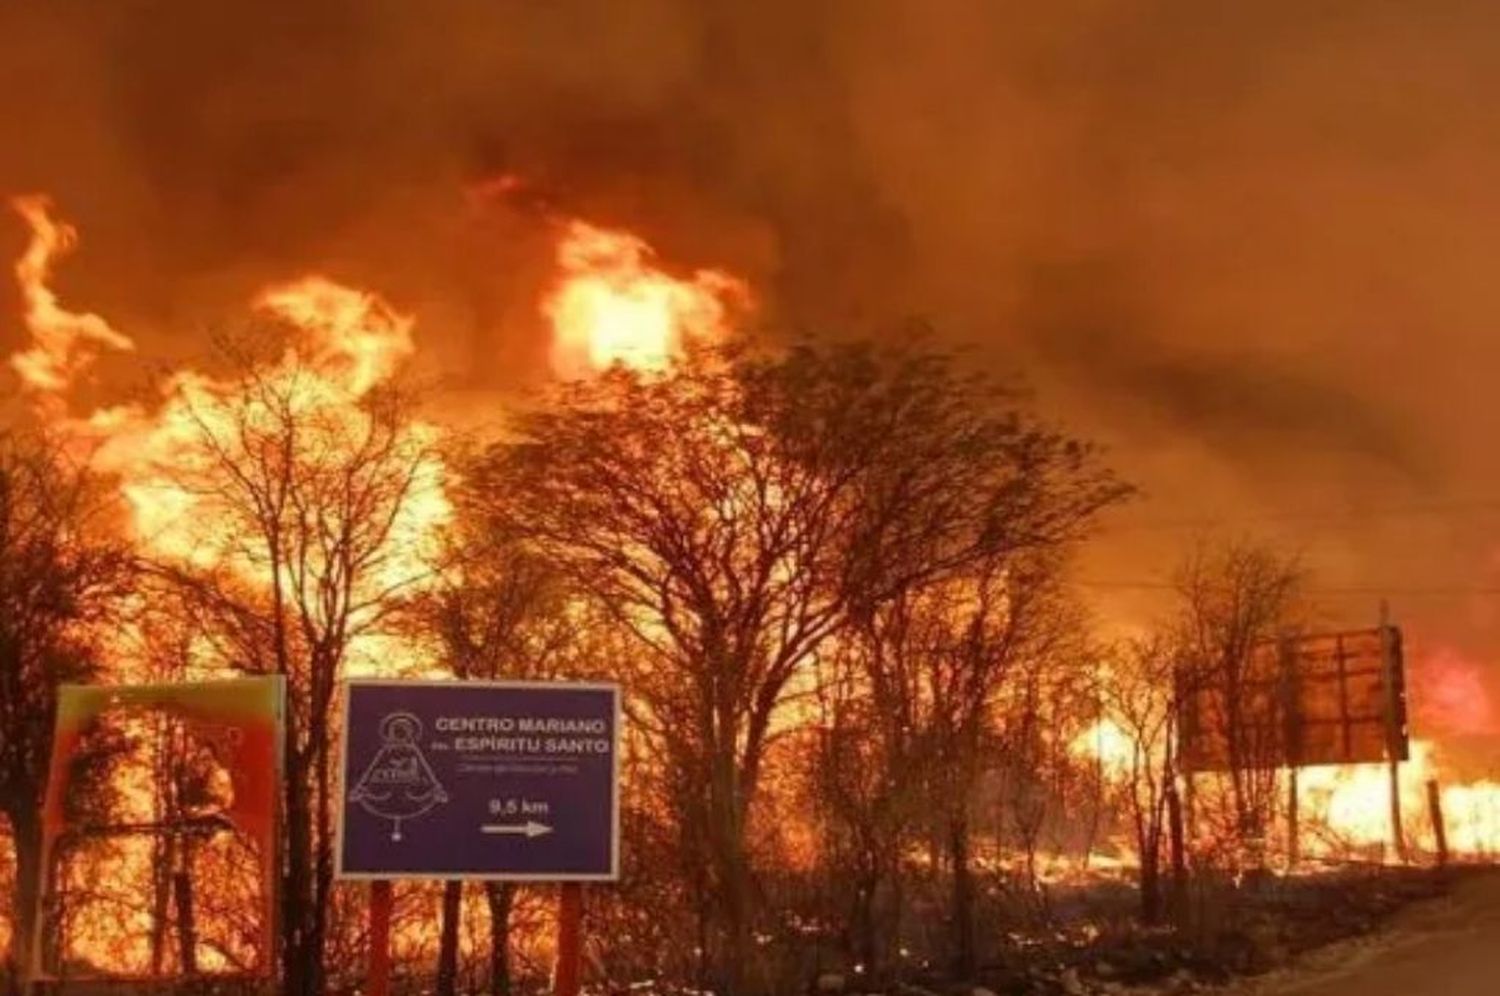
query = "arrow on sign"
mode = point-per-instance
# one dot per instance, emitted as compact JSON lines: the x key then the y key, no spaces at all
{"x":530,"y":828}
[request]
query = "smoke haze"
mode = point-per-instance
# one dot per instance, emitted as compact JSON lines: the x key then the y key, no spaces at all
{"x":1247,"y":246}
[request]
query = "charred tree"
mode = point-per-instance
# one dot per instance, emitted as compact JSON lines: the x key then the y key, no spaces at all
{"x":1235,"y":600}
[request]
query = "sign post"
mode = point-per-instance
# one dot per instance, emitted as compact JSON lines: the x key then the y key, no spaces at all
{"x":506,"y":780}
{"x":569,"y":940}
{"x":380,"y":938}
{"x":1439,"y":828}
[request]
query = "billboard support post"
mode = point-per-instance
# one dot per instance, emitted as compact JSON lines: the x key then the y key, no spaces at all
{"x":1439,"y":829}
{"x":1392,"y":726}
{"x":380,"y":937}
{"x":569,"y":940}
{"x":1293,"y":831}
{"x":1291,"y":745}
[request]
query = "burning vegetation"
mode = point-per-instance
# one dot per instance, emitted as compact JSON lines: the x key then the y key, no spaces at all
{"x":872,"y":729}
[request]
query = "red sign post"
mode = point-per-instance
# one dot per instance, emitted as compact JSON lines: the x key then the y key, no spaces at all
{"x":380,"y":937}
{"x":566,"y":976}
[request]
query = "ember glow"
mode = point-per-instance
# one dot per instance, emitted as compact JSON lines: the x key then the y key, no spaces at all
{"x":611,"y":304}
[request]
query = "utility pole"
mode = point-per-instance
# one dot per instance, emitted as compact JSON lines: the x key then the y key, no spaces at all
{"x":1293,"y":831}
{"x":1392,"y":725}
{"x":1291,"y":727}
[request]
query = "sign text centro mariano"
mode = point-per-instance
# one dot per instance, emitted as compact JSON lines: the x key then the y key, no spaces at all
{"x":504,"y":780}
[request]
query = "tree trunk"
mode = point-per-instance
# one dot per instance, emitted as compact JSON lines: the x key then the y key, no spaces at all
{"x":322,"y":863}
{"x":1150,"y":879}
{"x":895,"y":914}
{"x":704,"y":923}
{"x":866,"y":943}
{"x":162,"y":863}
{"x":501,"y":897}
{"x":736,"y":952}
{"x":1178,"y":844}
{"x":187,"y":930}
{"x":26,"y":830}
{"x":731,"y":874}
{"x":447,"y":969}
{"x":297,"y":892}
{"x":964,"y":955}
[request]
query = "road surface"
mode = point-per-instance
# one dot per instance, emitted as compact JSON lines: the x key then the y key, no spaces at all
{"x":1444,"y":947}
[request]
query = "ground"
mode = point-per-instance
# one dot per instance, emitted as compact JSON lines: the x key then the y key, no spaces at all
{"x":1449,"y":946}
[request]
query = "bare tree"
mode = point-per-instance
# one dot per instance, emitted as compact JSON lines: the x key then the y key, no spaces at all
{"x":954,"y":562}
{"x":671,"y":504}
{"x":496,"y":611}
{"x":308,"y":504}
{"x":1139,"y":704}
{"x":1237,"y":600}
{"x":869,"y":790}
{"x":1001,"y":623}
{"x":61,"y":575}
{"x":1046,"y":702}
{"x":735,"y":512}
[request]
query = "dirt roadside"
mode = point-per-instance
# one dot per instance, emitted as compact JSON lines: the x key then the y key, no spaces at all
{"x":1441,"y":947}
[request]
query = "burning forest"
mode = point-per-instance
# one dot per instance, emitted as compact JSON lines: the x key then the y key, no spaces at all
{"x":850,"y":561}
{"x":903,"y":657}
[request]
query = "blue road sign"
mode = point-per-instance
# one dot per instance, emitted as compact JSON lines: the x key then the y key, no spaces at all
{"x":468,"y":779}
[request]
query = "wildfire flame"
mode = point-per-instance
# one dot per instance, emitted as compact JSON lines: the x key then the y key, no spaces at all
{"x":341,"y":345}
{"x":59,"y":335}
{"x":355,"y":336}
{"x":1350,"y":807}
{"x":611,"y":304}
{"x":1345,"y":810}
{"x":345,"y":342}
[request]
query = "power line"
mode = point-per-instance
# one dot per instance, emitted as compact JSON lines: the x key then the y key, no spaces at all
{"x":1367,"y":591}
{"x":1449,"y":507}
{"x":1441,"y":508}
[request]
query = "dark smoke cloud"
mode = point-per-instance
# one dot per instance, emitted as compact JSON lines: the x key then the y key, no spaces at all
{"x":1248,"y":245}
{"x":1085,"y":324}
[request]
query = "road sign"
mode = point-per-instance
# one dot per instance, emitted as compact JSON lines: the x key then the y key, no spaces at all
{"x":468,"y":779}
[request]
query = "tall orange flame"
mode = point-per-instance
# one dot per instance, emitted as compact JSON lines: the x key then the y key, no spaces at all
{"x":342,"y":343}
{"x":611,"y":304}
{"x":1345,"y":809}
{"x":354,"y":335}
{"x":61,"y":337}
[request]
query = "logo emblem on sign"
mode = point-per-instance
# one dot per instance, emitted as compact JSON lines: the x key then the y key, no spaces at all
{"x":399,"y":784}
